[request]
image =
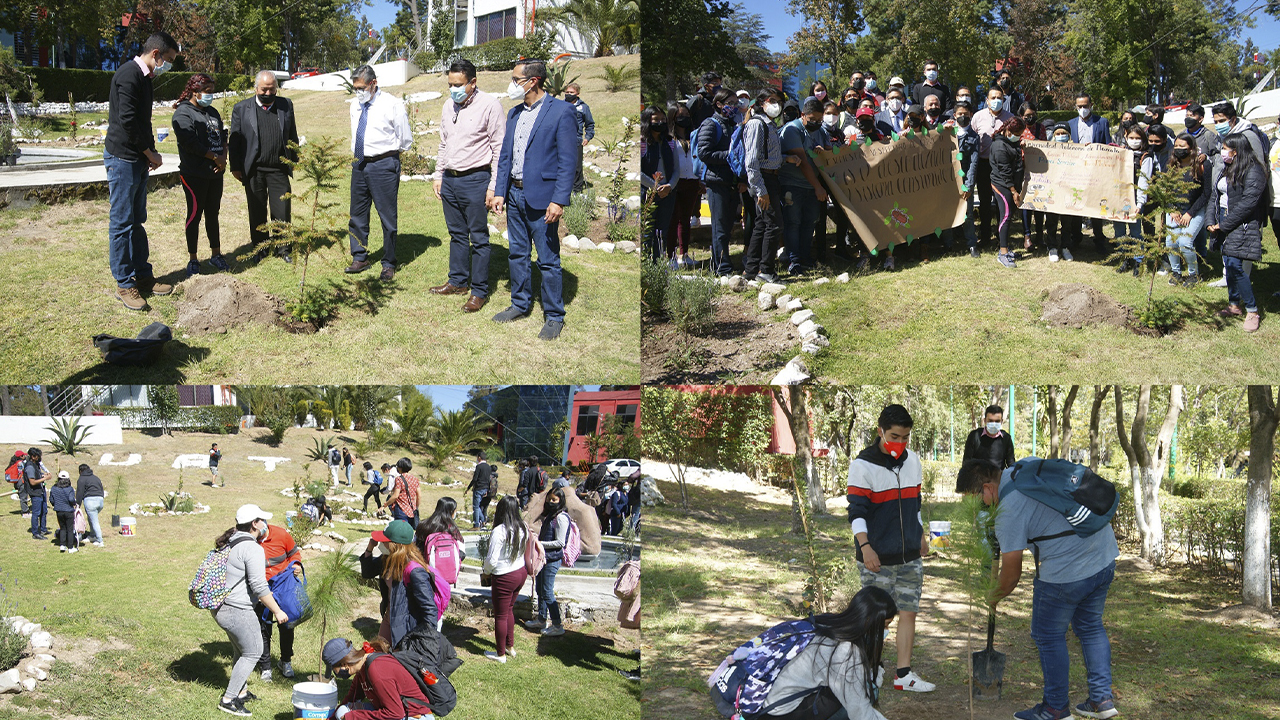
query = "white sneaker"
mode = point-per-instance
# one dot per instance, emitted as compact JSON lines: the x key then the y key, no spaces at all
{"x":535,"y":624}
{"x":286,"y":669}
{"x":494,"y":656}
{"x":71,"y":550}
{"x":97,"y":543}
{"x":912,"y":683}
{"x":61,"y":549}
{"x":1053,"y":255}
{"x":266,"y":676}
{"x":1066,"y":255}
{"x":553,"y":631}
{"x":1221,"y":282}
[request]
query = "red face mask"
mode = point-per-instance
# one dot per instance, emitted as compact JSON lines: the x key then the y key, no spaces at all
{"x":895,"y":448}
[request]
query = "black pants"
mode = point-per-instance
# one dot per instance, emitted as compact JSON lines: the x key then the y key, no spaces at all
{"x":1052,"y":238}
{"x":375,"y":183}
{"x":986,"y":200}
{"x":1004,"y":213}
{"x":265,"y":188}
{"x":286,"y":640}
{"x":1074,"y":229}
{"x":467,"y":219}
{"x":374,"y":491}
{"x":204,"y":198}
{"x":579,"y":180}
{"x":766,"y":231}
{"x":66,"y":535}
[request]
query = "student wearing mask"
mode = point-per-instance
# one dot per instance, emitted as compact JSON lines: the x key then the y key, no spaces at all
{"x":872,"y":89}
{"x":763,"y":162}
{"x":1187,"y":217}
{"x":1238,"y":206}
{"x":659,"y":175}
{"x":63,"y":499}
{"x":1228,"y":123}
{"x":1159,"y":144}
{"x":963,"y":94}
{"x":1153,"y":117}
{"x":702,"y":105}
{"x":91,"y":496}
{"x":818,"y":91}
{"x":1144,"y":165}
{"x":1087,"y":128}
{"x":1127,"y":120}
{"x":932,"y":110}
{"x":380,"y":687}
{"x":1012,"y":98}
{"x":990,"y":442}
{"x":893,"y":119}
{"x":36,"y":477}
{"x":688,"y":190}
{"x":1033,"y":131}
{"x":803,"y":194}
{"x":1057,"y":249}
{"x":986,"y":122}
{"x":931,"y":86}
{"x":967,"y":144}
{"x":586,"y":129}
{"x":262,"y":127}
{"x":281,"y":552}
{"x":1206,"y":139}
{"x":721,"y":182}
{"x":202,"y":153}
{"x":850,"y":102}
{"x":553,"y":536}
{"x":1006,"y":181}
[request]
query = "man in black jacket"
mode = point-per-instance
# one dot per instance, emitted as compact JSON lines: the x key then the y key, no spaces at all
{"x":261,"y":129}
{"x":479,"y":489}
{"x":129,"y":156}
{"x":990,"y":442}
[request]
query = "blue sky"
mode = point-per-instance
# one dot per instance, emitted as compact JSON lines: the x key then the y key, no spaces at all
{"x":452,"y":397}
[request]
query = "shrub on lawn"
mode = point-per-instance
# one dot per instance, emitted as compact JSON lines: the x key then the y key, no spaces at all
{"x":12,"y":642}
{"x":580,"y":213}
{"x":690,"y":303}
{"x":654,"y":278}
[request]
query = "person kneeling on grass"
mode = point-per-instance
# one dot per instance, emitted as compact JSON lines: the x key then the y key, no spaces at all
{"x":1073,"y":576}
{"x":884,"y":511}
{"x":380,"y":686}
{"x":824,"y":668}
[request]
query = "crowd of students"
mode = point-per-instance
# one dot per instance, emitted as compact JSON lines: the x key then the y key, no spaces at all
{"x":774,"y":192}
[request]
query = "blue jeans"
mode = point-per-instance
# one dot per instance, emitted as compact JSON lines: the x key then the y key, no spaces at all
{"x":477,"y":508}
{"x":527,"y":229}
{"x":398,"y":514}
{"x":375,"y":183}
{"x":1239,"y":289}
{"x":723,"y":201}
{"x":1184,"y":240}
{"x":93,"y":506}
{"x":39,"y":513}
{"x":798,"y":220}
{"x":128,"y":248}
{"x":467,"y":218}
{"x":546,"y":584}
{"x":1079,"y":604}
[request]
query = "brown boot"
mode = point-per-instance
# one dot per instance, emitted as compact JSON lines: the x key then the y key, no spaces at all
{"x":131,"y":298}
{"x":151,"y":287}
{"x":474,"y":303}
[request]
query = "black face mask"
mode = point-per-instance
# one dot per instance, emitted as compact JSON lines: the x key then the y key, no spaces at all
{"x":1126,"y":124}
{"x":934,"y":111}
{"x":266,"y":99}
{"x":1004,"y":83}
{"x":963,"y":120}
{"x":1149,"y":120}
{"x":865,"y":125}
{"x":812,"y":126}
{"x":1191,"y":123}
{"x":344,"y":673}
{"x":851,"y":105}
{"x":1157,"y":147}
{"x":685,"y":122}
{"x":1181,"y":152}
{"x":570,"y":98}
{"x":914,"y":121}
{"x":1029,"y":119}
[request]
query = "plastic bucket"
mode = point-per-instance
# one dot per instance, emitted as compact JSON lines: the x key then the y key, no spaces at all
{"x":128,"y":526}
{"x":940,"y":533}
{"x":162,"y":134}
{"x":314,"y":699}
{"x":289,"y":515}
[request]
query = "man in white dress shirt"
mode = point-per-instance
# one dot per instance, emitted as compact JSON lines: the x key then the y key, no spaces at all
{"x":379,"y":133}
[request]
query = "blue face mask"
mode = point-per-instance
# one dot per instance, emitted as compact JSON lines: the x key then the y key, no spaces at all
{"x":458,"y":94}
{"x":871,"y":84}
{"x":1222,"y":128}
{"x":205,"y":99}
{"x":1061,"y":138}
{"x":995,"y":105}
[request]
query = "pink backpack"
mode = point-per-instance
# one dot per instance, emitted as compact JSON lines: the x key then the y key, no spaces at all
{"x":441,"y":551}
{"x":535,"y":557}
{"x":439,"y":587}
{"x":572,"y":545}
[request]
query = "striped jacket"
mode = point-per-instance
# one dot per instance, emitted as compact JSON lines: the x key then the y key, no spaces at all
{"x":884,"y":502}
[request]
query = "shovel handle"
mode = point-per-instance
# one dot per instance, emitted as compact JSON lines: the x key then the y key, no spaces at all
{"x":991,"y":630}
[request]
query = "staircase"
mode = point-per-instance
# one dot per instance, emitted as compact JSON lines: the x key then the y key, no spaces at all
{"x":76,"y":399}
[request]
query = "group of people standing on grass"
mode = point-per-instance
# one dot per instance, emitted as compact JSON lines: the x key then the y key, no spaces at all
{"x":749,"y":155}
{"x":829,"y":666}
{"x":484,"y":163}
{"x":37,"y":489}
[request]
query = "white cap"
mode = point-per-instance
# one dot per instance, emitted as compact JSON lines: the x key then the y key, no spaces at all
{"x":743,"y":92}
{"x":249,"y":513}
{"x":64,"y":474}
{"x":896,"y":81}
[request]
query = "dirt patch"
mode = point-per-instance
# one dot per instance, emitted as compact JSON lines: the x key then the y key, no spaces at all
{"x":217,"y":303}
{"x":81,"y":650}
{"x":742,"y":346}
{"x":1243,"y":615}
{"x":1076,"y":305}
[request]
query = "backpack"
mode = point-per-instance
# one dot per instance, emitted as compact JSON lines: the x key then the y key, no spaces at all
{"x":1087,"y":501}
{"x":699,"y":166}
{"x":493,"y":482}
{"x":13,"y":473}
{"x":209,"y":588}
{"x":446,"y":561}
{"x":291,"y":594}
{"x":440,"y":693}
{"x":535,"y":557}
{"x":145,"y":349}
{"x":738,"y":152}
{"x":743,"y":680}
{"x":335,"y":457}
{"x":440,"y":590}
{"x":539,"y":482}
{"x":572,"y":544}
{"x":310,"y":511}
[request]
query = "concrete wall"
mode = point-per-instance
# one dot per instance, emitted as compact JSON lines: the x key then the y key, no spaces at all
{"x":390,"y":74}
{"x":30,"y":430}
{"x":1263,"y":108}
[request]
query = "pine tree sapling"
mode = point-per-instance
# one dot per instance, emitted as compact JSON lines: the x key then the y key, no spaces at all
{"x":973,"y":546}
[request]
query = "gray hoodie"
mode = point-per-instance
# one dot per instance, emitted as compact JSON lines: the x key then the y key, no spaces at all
{"x":247,"y":559}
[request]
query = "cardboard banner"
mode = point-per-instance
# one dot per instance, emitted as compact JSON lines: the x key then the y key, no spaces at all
{"x":1092,"y":180}
{"x":895,"y":192}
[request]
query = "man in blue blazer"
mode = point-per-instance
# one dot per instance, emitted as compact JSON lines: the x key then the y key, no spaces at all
{"x":535,"y":179}
{"x":1088,"y":128}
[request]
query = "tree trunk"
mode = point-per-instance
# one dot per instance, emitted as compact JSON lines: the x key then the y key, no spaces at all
{"x":1146,"y":470}
{"x":671,"y":80}
{"x":44,"y":398}
{"x":795,"y":407}
{"x":417,"y":25}
{"x":1257,"y":501}
{"x":1064,"y":446}
{"x":1051,"y":410}
{"x":6,"y":399}
{"x":1095,"y":424}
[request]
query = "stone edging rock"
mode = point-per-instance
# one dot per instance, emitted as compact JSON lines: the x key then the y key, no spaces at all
{"x":805,"y":322}
{"x":37,"y":658}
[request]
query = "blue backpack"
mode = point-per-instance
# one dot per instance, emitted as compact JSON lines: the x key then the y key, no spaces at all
{"x":1087,"y":501}
{"x":738,"y":152}
{"x":741,"y":685}
{"x":700,"y":167}
{"x":291,"y":594}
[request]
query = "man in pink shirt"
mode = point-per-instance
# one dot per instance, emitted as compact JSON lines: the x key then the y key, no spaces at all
{"x":985,"y":123}
{"x":472,"y":127}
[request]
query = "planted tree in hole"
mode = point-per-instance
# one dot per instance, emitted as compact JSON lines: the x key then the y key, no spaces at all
{"x":318,"y":169}
{"x":333,"y":587}
{"x":973,"y":546}
{"x":118,"y":494}
{"x":1164,"y":192}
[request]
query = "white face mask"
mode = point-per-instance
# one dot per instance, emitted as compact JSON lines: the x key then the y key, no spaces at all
{"x":163,"y":67}
{"x":965,"y":98}
{"x":871,"y":84}
{"x":363,"y":96}
{"x":895,"y":105}
{"x":515,"y":91}
{"x":1134,"y":143}
{"x":993,"y":428}
{"x":744,"y":102}
{"x":930,"y":75}
{"x":1084,"y":112}
{"x":773,"y":110}
{"x":829,"y":119}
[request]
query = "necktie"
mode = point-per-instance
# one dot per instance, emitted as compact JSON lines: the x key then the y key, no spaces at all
{"x":364,"y":117}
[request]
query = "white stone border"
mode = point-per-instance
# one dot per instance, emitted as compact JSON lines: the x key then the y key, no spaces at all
{"x":39,"y":657}
{"x":812,"y":334}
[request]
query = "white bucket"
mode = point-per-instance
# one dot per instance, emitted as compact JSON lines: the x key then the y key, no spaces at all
{"x":940,"y":533}
{"x":128,"y":526}
{"x":162,"y":134}
{"x":314,"y":699}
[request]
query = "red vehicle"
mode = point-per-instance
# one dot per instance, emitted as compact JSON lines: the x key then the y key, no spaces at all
{"x":305,"y":72}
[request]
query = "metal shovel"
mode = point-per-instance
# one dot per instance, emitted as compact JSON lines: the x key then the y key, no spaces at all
{"x":988,"y":667}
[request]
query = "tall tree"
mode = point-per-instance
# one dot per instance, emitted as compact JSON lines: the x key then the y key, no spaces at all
{"x":826,"y":32}
{"x":1263,"y":419}
{"x":1060,"y":429}
{"x":792,"y":399}
{"x":957,"y":34}
{"x":1095,"y":425}
{"x":684,"y":38}
{"x":1147,"y":468}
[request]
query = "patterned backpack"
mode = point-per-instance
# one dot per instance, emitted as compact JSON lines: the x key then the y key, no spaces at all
{"x":209,"y":588}
{"x":572,"y":545}
{"x":742,"y":682}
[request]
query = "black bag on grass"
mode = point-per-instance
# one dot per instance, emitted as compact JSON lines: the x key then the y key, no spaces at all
{"x":134,"y":352}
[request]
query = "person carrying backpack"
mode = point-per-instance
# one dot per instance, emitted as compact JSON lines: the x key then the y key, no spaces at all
{"x":373,"y":479}
{"x":281,"y":552}
{"x":409,"y":583}
{"x":884,"y":512}
{"x":505,"y":569}
{"x":532,"y":481}
{"x":761,"y":151}
{"x":335,"y":465}
{"x":824,"y":668}
{"x":35,"y":475}
{"x":404,"y":494}
{"x":13,"y":473}
{"x":711,"y":153}
{"x":246,"y":579}
{"x":442,"y":544}
{"x":479,"y":489}
{"x":381,"y":687}
{"x":1074,"y":571}
{"x":553,"y":537}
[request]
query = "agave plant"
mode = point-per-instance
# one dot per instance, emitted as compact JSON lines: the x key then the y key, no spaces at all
{"x":319,"y":451}
{"x":68,"y":435}
{"x":558,"y":78}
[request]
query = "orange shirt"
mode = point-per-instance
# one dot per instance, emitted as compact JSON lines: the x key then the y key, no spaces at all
{"x":280,"y":549}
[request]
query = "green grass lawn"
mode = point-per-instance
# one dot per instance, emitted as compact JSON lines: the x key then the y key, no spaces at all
{"x":728,"y":568}
{"x":59,"y":254}
{"x":129,"y":645}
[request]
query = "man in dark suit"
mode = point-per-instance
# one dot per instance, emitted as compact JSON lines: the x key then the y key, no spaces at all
{"x":535,"y":180}
{"x":1088,"y":128}
{"x":261,"y":129}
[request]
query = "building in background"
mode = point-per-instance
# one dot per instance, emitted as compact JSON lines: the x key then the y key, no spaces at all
{"x":589,"y":414}
{"x":477,"y":22}
{"x":528,"y":419}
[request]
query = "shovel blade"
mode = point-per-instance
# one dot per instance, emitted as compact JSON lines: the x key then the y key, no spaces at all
{"x":988,"y":674}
